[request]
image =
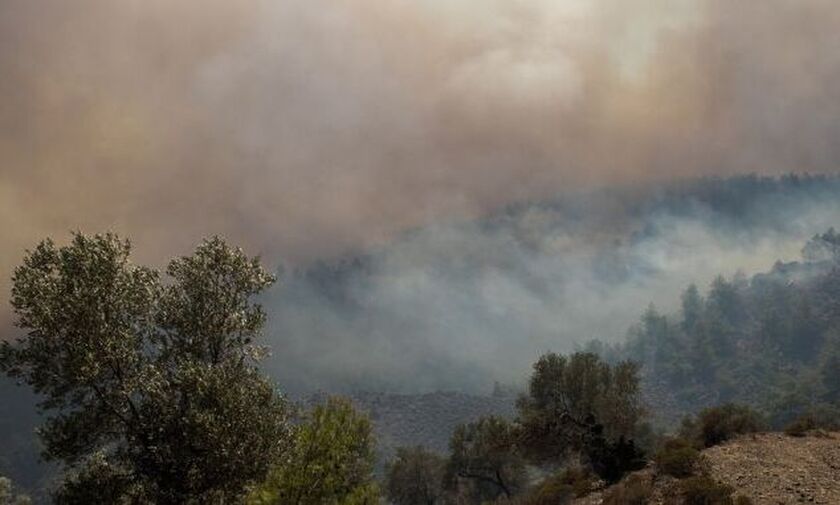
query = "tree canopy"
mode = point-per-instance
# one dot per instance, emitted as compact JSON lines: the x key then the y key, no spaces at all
{"x":568,"y":396}
{"x":415,"y":477}
{"x":149,"y":381}
{"x":330,"y":461}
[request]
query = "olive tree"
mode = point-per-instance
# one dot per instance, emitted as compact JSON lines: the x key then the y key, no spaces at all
{"x":484,"y":456}
{"x":149,"y":380}
{"x":330,"y":461}
{"x":415,"y":477}
{"x":582,"y":405}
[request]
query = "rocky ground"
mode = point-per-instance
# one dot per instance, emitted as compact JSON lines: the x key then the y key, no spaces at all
{"x":776,"y":469}
{"x":768,"y":468}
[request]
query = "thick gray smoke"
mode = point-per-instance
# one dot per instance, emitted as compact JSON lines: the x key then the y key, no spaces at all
{"x":307,"y":128}
{"x":462,"y":305}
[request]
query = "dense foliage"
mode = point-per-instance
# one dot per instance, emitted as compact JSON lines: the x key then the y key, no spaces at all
{"x":678,"y":458}
{"x":415,"y":477}
{"x":484,"y":461}
{"x":581,"y":404}
{"x":771,"y":341}
{"x":9,"y":496}
{"x":580,"y":413}
{"x":151,"y":386}
{"x":715,"y":425}
{"x":330,"y":461}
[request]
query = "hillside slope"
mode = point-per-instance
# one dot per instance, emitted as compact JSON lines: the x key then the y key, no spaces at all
{"x":406,"y":420}
{"x":427,"y":419}
{"x":768,"y":468}
{"x":772,"y":468}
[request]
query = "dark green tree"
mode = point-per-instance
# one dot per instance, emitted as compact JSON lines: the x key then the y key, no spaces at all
{"x":698,"y":352}
{"x":415,"y":477}
{"x":150,"y":383}
{"x":829,"y":370}
{"x":484,"y":456}
{"x":692,"y":309}
{"x":823,"y":247}
{"x":568,"y":394}
{"x":725,"y":315}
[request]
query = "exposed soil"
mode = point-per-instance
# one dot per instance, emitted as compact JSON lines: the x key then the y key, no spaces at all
{"x":768,"y":468}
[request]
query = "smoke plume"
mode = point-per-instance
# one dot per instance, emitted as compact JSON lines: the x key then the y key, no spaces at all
{"x":302,"y":129}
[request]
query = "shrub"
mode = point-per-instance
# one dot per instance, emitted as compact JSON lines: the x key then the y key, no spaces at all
{"x":677,"y":458}
{"x":800,"y":426}
{"x":577,"y":480}
{"x":484,"y":460}
{"x":561,"y":487}
{"x":811,"y":421}
{"x":716,"y":425}
{"x":704,"y":490}
{"x":634,"y":490}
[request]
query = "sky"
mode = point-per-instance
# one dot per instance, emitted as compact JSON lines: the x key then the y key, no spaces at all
{"x":302,"y":129}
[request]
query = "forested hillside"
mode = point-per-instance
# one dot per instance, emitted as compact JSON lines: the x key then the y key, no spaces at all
{"x":771,"y":341}
{"x":462,"y":304}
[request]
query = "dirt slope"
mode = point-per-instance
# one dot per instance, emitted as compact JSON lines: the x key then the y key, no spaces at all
{"x":769,"y":468}
{"x":776,"y":469}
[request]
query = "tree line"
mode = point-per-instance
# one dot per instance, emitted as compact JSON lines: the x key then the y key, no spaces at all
{"x":771,"y":341}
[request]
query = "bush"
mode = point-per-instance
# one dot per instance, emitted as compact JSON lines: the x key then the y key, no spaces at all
{"x":716,"y":425}
{"x":801,"y":426}
{"x":634,"y":490}
{"x":810,"y":421}
{"x":579,"y":481}
{"x":704,"y":490}
{"x":560,"y":488}
{"x":677,"y":458}
{"x":612,"y":460}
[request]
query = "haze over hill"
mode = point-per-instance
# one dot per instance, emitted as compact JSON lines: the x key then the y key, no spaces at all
{"x":462,"y":305}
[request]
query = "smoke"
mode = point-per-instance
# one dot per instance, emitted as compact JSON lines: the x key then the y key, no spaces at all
{"x":461,"y":305}
{"x":302,"y":129}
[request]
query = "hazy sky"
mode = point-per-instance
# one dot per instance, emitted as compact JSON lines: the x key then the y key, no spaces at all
{"x":302,"y":128}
